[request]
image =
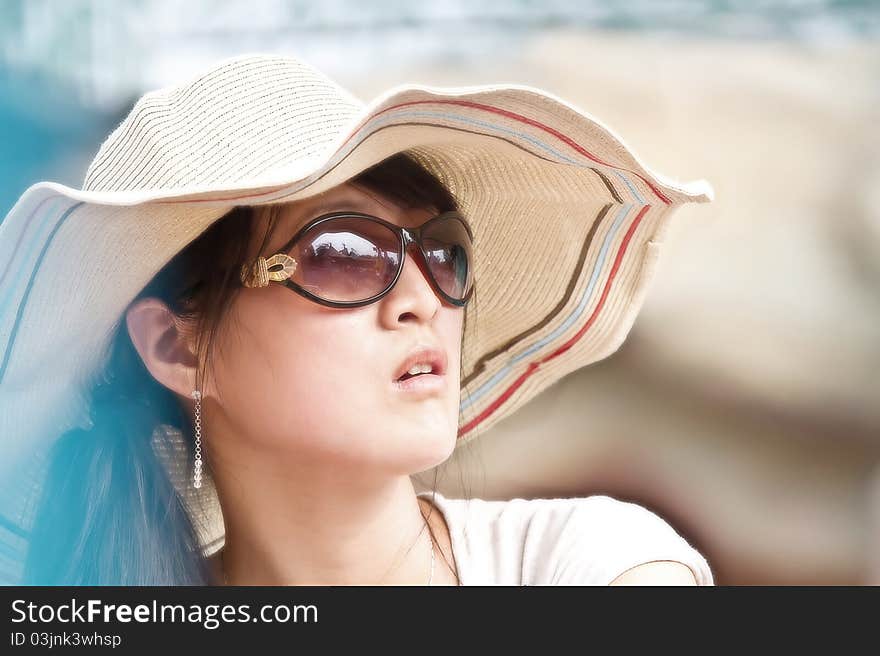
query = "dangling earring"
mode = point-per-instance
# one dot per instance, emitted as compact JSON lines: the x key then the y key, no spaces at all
{"x":197,"y":466}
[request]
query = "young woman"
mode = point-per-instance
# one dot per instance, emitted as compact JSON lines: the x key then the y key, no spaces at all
{"x":270,"y":324}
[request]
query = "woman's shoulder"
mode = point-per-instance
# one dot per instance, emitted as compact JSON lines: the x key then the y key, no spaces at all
{"x":607,"y":537}
{"x":564,"y":540}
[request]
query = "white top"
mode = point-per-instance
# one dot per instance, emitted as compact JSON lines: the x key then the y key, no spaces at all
{"x":561,"y":541}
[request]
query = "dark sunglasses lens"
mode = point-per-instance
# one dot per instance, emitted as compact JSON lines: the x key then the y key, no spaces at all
{"x":346,"y":259}
{"x":450,"y":256}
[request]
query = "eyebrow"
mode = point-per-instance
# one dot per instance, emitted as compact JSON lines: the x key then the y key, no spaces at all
{"x":353,"y":203}
{"x":303,"y":217}
{"x":338,"y":204}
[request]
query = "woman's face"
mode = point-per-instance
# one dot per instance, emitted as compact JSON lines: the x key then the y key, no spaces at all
{"x":300,"y":380}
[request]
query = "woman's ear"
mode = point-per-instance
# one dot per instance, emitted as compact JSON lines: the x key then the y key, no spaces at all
{"x":167,"y":351}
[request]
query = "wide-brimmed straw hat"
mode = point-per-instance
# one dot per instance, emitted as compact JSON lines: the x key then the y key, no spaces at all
{"x":567,"y":223}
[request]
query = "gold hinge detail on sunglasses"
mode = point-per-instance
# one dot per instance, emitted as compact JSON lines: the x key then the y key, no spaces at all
{"x":259,"y":273}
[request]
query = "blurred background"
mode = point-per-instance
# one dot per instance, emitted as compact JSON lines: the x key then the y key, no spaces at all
{"x":744,"y":407}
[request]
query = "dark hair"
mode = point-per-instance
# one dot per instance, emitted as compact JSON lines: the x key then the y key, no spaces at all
{"x":109,"y":513}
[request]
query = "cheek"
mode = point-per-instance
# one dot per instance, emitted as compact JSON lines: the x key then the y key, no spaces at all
{"x":298,"y":374}
{"x":310,"y":378}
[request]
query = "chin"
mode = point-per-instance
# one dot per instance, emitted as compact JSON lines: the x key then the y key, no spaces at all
{"x":429,"y":450}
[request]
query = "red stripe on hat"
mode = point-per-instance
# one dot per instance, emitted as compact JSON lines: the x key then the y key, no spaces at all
{"x":534,"y":366}
{"x":524,"y":119}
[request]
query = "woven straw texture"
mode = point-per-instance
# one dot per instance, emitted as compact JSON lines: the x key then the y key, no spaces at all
{"x":567,"y":223}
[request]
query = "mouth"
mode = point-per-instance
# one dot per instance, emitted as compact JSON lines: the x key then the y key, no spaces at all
{"x":422,"y":374}
{"x":421,"y":361}
{"x":422,"y":371}
{"x":421,"y":385}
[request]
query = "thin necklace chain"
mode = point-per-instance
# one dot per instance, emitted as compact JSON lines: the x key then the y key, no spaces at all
{"x":431,"y":542}
{"x":430,"y":578}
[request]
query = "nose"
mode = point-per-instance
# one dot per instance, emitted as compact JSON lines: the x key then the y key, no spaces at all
{"x":415,"y":266}
{"x":413,"y":293}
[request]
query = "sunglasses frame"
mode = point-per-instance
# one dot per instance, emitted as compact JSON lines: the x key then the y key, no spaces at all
{"x":280,"y":266}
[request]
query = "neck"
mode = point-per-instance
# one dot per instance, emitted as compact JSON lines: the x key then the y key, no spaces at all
{"x":339,"y":533}
{"x":432,"y":546}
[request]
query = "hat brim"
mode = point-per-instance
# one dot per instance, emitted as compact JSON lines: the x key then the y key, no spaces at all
{"x":540,"y":180}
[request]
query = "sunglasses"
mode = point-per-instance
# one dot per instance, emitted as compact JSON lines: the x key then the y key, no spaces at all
{"x":351,"y":259}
